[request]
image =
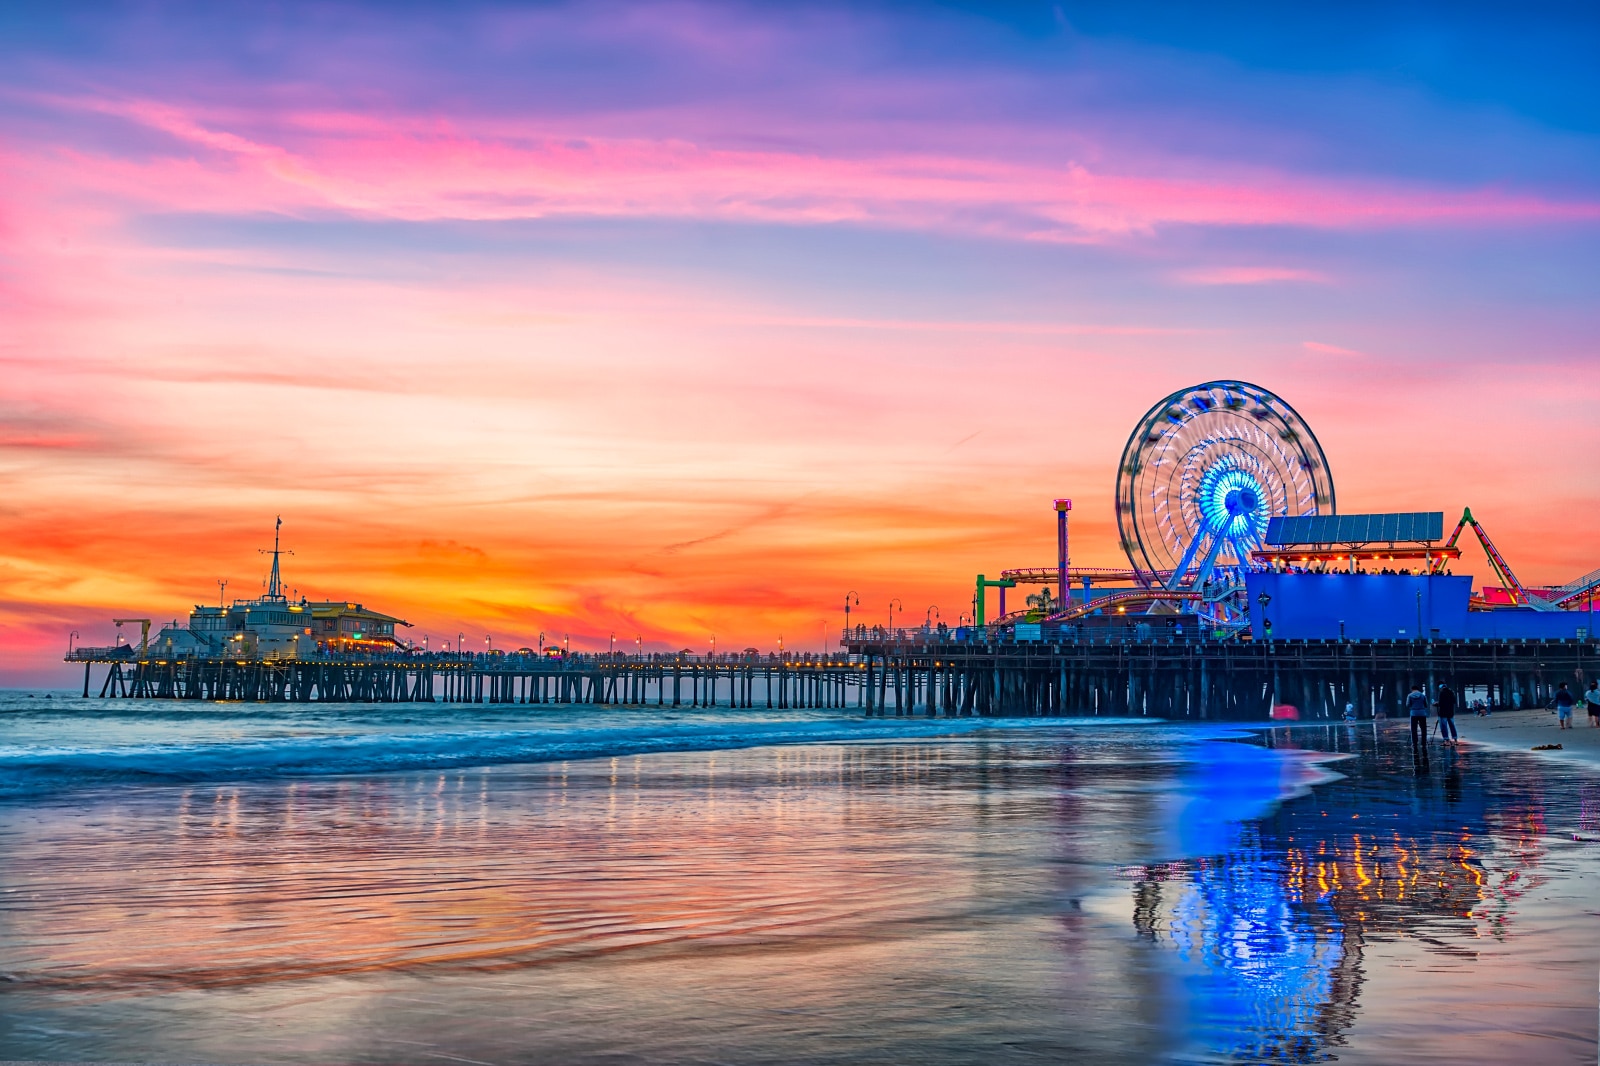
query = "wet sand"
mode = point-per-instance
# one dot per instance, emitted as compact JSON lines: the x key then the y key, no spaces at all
{"x":1524,"y":730}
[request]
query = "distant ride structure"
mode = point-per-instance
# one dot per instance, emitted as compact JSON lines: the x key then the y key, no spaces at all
{"x":1202,"y":475}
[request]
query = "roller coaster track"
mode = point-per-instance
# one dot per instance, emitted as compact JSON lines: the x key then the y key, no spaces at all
{"x":1048,"y":575}
{"x":1573,"y":590}
{"x":1131,"y":598}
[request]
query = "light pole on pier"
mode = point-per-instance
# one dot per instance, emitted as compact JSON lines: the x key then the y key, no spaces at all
{"x":541,"y":642}
{"x":638,"y":640}
{"x":488,"y":644}
{"x":929,"y":615}
{"x":893,"y":603}
{"x":713,"y":645}
{"x":613,"y":649}
{"x":460,"y":647}
{"x":848,"y":597}
{"x":72,"y":636}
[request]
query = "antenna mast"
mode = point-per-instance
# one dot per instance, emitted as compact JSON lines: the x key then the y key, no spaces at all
{"x":275,"y":581}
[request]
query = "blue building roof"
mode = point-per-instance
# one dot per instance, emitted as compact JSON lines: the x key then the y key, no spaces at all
{"x":1285,"y":531}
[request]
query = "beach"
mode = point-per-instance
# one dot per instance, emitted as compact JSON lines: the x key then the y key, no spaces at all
{"x":1527,"y":729}
{"x":192,"y":884}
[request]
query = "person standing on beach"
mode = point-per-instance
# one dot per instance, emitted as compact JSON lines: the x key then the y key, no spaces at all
{"x":1447,"y":713}
{"x":1564,"y":703}
{"x":1592,"y":700}
{"x":1417,"y":707}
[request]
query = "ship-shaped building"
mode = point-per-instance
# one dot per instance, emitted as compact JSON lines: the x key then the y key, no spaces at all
{"x":272,"y":626}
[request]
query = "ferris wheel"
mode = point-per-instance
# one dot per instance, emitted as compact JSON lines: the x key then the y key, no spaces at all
{"x":1202,"y":474}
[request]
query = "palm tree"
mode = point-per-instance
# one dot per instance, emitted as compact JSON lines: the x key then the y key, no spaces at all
{"x":1044,"y":601}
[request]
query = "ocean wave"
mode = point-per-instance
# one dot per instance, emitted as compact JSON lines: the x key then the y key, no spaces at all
{"x":35,"y":769}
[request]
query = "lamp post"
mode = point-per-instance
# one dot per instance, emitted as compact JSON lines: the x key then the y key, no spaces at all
{"x":713,"y":645}
{"x":460,"y":647}
{"x":424,"y":642}
{"x":613,"y":649}
{"x":72,"y":636}
{"x":638,"y":640}
{"x":488,"y":644}
{"x":848,"y":598}
{"x":541,"y":643}
{"x":929,"y":615}
{"x":892,"y":604}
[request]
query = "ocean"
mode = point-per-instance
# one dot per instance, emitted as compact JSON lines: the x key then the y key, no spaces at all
{"x":510,"y":884}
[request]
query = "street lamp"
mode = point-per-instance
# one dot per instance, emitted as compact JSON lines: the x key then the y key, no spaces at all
{"x":713,"y":645}
{"x":541,"y":643}
{"x":929,"y":615}
{"x":460,"y":647}
{"x":848,"y":598}
{"x":892,"y":604}
{"x":613,"y":649}
{"x":72,"y":636}
{"x":488,"y":643}
{"x":638,"y":641}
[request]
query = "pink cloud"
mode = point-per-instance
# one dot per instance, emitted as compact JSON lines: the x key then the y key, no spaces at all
{"x":1248,"y":275}
{"x":1316,"y":348}
{"x":425,"y":168}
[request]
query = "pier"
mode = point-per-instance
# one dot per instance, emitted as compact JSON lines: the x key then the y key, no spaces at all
{"x":778,"y":682}
{"x":931,"y":673}
{"x":1126,"y":675}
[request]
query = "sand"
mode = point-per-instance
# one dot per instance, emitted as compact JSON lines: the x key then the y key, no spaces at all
{"x":1523,"y":730}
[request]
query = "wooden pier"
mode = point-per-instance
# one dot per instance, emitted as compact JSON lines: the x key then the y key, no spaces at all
{"x":906,"y":672}
{"x":917,"y":673}
{"x":795,"y":681}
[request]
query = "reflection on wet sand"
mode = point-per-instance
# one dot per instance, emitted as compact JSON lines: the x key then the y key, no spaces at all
{"x":1270,"y":937}
{"x":934,"y":900}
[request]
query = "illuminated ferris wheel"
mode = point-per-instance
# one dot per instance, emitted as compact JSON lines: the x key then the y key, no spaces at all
{"x":1202,"y":474}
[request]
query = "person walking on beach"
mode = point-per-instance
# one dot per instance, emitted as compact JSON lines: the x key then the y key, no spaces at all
{"x":1591,"y":699}
{"x":1417,"y":707}
{"x":1564,"y":703}
{"x":1447,"y":713}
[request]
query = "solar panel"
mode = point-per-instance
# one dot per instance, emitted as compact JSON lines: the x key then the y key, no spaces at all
{"x":1411,"y":526}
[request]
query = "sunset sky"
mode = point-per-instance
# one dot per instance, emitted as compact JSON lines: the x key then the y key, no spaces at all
{"x":673,"y":320}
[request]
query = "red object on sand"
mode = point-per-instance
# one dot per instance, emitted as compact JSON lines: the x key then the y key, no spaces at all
{"x":1286,"y":712}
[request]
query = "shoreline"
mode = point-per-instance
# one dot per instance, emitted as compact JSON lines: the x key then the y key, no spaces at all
{"x":1521,"y":730}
